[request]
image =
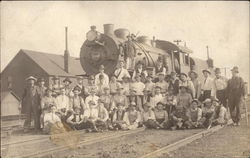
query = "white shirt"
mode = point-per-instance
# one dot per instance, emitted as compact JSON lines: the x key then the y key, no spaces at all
{"x":51,"y":118}
{"x":93,"y":98}
{"x":106,"y":79}
{"x":207,"y":84}
{"x":156,"y":99}
{"x":188,"y":84}
{"x":62,"y":101}
{"x":149,"y":86}
{"x":140,"y":71}
{"x":120,"y":73}
{"x":138,"y":87}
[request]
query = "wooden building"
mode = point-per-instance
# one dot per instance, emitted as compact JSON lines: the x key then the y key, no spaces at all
{"x":38,"y":64}
{"x":10,"y":104}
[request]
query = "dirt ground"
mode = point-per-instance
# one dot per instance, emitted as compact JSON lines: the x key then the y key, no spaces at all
{"x":229,"y":142}
{"x":130,"y":146}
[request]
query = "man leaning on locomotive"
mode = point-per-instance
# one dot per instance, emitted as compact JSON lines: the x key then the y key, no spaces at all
{"x":124,"y":103}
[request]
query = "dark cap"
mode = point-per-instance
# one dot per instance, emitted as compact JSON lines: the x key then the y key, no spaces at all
{"x":67,"y":79}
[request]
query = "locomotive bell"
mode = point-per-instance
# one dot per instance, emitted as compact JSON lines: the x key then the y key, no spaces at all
{"x":92,"y":35}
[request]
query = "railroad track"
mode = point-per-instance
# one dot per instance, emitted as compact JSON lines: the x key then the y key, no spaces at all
{"x":85,"y":140}
{"x":176,"y":145}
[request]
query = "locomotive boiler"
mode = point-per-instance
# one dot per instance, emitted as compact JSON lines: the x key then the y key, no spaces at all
{"x":109,"y":47}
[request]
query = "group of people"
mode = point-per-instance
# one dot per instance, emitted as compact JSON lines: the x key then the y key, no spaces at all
{"x":126,"y":101}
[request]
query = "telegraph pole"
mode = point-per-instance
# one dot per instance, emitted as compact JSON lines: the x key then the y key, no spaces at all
{"x":207,"y":52}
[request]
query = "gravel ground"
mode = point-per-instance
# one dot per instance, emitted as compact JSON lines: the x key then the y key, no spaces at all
{"x":229,"y":142}
{"x":130,"y":146}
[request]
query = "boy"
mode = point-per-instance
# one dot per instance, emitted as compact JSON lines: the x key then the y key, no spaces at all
{"x":76,"y":100}
{"x":220,"y":115}
{"x":131,"y":117}
{"x":207,"y":113}
{"x":120,"y":98}
{"x":52,"y":122}
{"x":103,"y":116}
{"x":184,"y":98}
{"x":194,"y":115}
{"x":101,"y":85}
{"x":148,"y":117}
{"x":117,"y":120}
{"x":178,"y":118}
{"x":113,"y":85}
{"x":161,"y":116}
{"x":77,"y":120}
{"x":157,"y":97}
{"x":62,"y":104}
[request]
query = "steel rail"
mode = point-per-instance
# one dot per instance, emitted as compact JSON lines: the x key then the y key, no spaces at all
{"x":82,"y":143}
{"x":174,"y":146}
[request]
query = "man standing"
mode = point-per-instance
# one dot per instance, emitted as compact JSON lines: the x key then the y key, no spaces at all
{"x":41,"y":93}
{"x":235,"y":93}
{"x":174,"y":83}
{"x":68,"y":89}
{"x":30,"y":104}
{"x":120,"y":72}
{"x":219,"y":89}
{"x":206,"y":85}
{"x":187,"y":83}
{"x":101,"y":72}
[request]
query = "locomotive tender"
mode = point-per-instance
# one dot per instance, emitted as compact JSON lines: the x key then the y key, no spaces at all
{"x":111,"y":46}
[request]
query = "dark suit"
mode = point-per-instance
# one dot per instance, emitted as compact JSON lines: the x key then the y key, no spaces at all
{"x":235,"y":92}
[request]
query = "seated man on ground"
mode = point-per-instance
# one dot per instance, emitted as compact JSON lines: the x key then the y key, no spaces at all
{"x":220,"y":115}
{"x":62,"y":105}
{"x":77,"y":120}
{"x":178,"y":118}
{"x":194,"y":115}
{"x":161,"y":116}
{"x":207,"y":113}
{"x":148,"y":117}
{"x":131,"y":117}
{"x":101,"y":122}
{"x":117,"y":121}
{"x":52,"y":123}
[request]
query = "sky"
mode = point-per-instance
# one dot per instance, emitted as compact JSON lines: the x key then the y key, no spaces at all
{"x":39,"y":26}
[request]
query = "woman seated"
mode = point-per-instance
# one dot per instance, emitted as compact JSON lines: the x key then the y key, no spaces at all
{"x":194,"y":115}
{"x":220,"y":115}
{"x":52,"y":122}
{"x":77,"y":121}
{"x":148,"y":117}
{"x":161,"y":116}
{"x":131,"y":117}
{"x":117,"y":121}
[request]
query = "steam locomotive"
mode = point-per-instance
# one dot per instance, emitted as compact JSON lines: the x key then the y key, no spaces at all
{"x":111,"y":46}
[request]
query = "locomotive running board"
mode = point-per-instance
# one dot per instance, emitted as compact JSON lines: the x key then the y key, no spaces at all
{"x":185,"y":141}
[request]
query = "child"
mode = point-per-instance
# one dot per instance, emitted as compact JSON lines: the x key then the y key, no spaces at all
{"x":157,"y":97}
{"x":117,"y":121}
{"x":120,"y":98}
{"x":194,"y":115}
{"x":93,"y":116}
{"x":101,"y":122}
{"x":77,"y":120}
{"x":171,"y":100}
{"x":101,"y":85}
{"x":207,"y":113}
{"x":46,"y":102}
{"x":184,"y":98}
{"x":131,"y":117}
{"x":220,"y":115}
{"x":52,"y":123}
{"x":161,"y":116}
{"x":178,"y":118}
{"x":76,"y":100}
{"x":126,"y":85}
{"x":113,"y":85}
{"x":148,"y":117}
{"x":162,"y":83}
{"x":62,"y":105}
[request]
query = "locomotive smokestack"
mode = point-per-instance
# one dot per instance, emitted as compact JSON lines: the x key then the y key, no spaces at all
{"x":66,"y":52}
{"x":108,"y":29}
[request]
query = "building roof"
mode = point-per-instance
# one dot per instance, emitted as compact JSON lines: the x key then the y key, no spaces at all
{"x":53,"y":64}
{"x":5,"y":93}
